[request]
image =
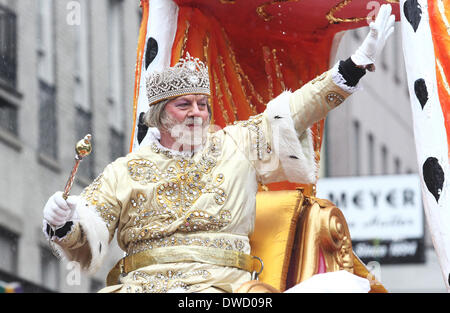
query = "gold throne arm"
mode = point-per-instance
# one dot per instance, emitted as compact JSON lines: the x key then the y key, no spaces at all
{"x":323,"y":241}
{"x":298,"y":236}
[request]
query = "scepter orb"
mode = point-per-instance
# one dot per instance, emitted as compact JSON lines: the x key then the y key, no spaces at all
{"x":83,"y":147}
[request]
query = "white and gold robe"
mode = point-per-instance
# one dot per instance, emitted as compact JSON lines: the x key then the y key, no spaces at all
{"x":156,"y":198}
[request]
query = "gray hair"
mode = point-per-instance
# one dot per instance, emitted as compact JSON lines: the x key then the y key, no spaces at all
{"x":155,"y":115}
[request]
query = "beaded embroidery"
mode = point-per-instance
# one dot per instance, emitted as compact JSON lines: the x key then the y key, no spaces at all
{"x":144,"y":171}
{"x":90,"y":193}
{"x":175,"y":200}
{"x":334,"y":98}
{"x":173,"y":241}
{"x":164,"y":282}
{"x":253,"y":124}
{"x":176,"y":192}
{"x":200,"y":220}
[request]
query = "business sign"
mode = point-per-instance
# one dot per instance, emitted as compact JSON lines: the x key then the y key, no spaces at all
{"x":384,"y":215}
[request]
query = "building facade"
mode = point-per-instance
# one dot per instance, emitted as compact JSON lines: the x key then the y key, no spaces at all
{"x":67,"y":69}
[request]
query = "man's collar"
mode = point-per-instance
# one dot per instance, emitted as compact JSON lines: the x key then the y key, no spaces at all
{"x":154,"y":136}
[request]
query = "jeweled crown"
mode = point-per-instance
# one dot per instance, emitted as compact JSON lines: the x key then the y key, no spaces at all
{"x":188,"y":76}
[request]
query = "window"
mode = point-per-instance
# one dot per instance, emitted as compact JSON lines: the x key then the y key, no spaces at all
{"x":397,"y":52}
{"x":371,"y":146}
{"x":397,"y":165}
{"x":384,"y":58}
{"x":50,"y":274}
{"x":116,"y":144}
{"x":384,"y":61}
{"x":9,"y":117}
{"x":384,"y":160}
{"x":8,"y":68}
{"x":82,"y":93}
{"x":116,"y":121}
{"x":47,"y":120}
{"x":82,"y":61}
{"x":8,"y":248}
{"x":8,"y":47}
{"x":96,"y":285}
{"x":46,"y":79}
{"x":356,"y":148}
{"x":46,"y":41}
{"x":356,"y":35}
{"x":115,"y":50}
{"x":140,"y":15}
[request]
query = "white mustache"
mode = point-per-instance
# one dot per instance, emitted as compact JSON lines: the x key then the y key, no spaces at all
{"x":185,"y":136}
{"x":196,"y":121}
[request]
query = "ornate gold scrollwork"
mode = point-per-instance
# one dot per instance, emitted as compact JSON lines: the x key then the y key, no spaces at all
{"x":335,"y":240}
{"x":261,"y":10}
{"x":332,"y":19}
{"x":255,"y":286}
{"x":324,"y":233}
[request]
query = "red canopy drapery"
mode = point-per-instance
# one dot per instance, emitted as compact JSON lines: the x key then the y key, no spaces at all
{"x":255,"y":49}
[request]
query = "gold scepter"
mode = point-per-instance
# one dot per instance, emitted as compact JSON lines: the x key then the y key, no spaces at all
{"x":82,"y":149}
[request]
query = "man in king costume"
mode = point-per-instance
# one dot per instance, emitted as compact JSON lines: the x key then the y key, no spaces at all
{"x":183,"y":205}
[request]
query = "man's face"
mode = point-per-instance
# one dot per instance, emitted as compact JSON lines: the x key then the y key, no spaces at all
{"x":187,"y":119}
{"x":188,"y":109}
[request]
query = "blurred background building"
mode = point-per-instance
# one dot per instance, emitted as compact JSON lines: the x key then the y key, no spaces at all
{"x":372,"y":135}
{"x":67,"y":69}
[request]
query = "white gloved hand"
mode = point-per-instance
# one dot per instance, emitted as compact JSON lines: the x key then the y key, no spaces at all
{"x":380,"y":30}
{"x":58,"y":211}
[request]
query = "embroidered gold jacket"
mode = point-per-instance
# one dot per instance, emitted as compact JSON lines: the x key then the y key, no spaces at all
{"x":157,"y":198}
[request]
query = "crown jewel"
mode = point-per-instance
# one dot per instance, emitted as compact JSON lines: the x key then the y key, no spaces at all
{"x":188,"y":76}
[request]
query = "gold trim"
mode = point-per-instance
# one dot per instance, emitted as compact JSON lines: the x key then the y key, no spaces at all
{"x":227,"y":86}
{"x":278,"y":69}
{"x":256,"y":286}
{"x":332,"y":19}
{"x":222,"y":242}
{"x":185,"y":38}
{"x":324,"y":231}
{"x":266,"y":55}
{"x":241,"y":75}
{"x":179,"y":254}
{"x":262,"y":12}
{"x":206,"y":48}
{"x":219,"y":97}
{"x":163,"y":282}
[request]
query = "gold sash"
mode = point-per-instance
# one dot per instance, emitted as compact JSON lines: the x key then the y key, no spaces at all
{"x":179,"y":254}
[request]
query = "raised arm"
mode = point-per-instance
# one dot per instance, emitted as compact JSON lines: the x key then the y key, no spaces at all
{"x":279,"y":141}
{"x":85,"y":223}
